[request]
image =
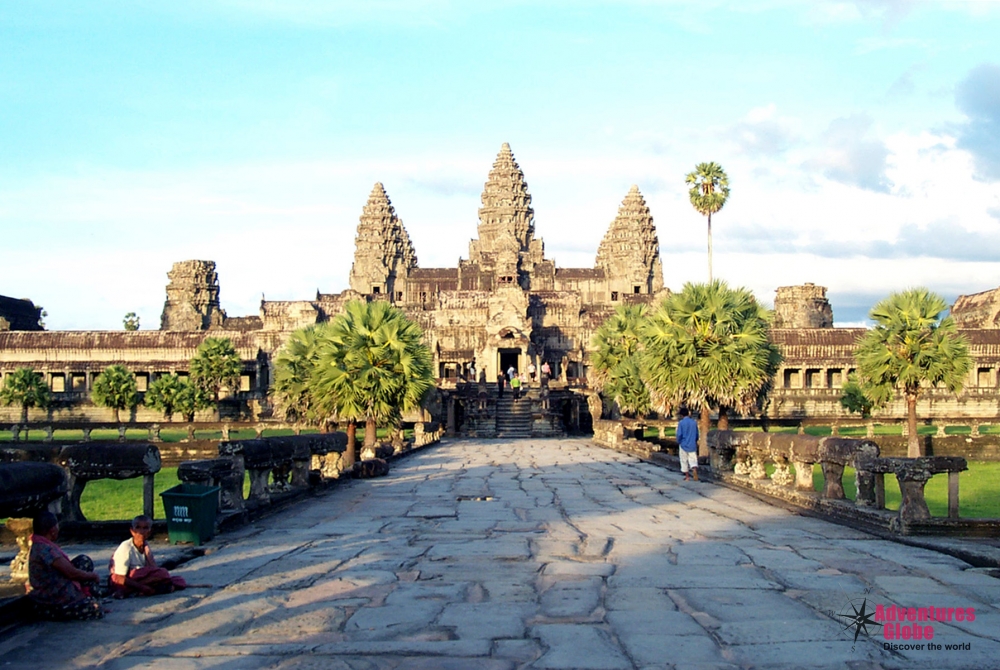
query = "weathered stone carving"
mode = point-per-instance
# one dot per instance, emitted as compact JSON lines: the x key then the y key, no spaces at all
{"x":630,"y":251}
{"x":192,"y":297}
{"x":383,"y":253}
{"x":979,"y":310}
{"x":803,"y":306}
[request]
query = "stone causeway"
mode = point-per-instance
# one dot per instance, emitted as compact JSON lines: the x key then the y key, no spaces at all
{"x":556,"y":553}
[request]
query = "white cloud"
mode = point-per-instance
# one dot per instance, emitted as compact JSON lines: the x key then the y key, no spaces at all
{"x":762,"y":132}
{"x":851,"y":156}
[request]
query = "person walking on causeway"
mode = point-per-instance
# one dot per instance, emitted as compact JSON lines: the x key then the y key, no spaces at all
{"x":687,"y":444}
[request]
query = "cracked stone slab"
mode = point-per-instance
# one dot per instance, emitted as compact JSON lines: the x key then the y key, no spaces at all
{"x":579,"y":647}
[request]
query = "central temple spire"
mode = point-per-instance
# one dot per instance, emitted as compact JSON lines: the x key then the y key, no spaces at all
{"x":506,"y":243}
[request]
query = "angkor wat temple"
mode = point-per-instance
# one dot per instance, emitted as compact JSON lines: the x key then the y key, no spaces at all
{"x":506,"y":305}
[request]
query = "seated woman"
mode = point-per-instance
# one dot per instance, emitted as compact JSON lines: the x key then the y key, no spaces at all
{"x":133,"y":568}
{"x":56,"y":588}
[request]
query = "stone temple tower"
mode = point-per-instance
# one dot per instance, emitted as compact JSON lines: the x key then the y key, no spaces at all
{"x":383,"y":253}
{"x":506,"y":245}
{"x":192,"y":297}
{"x":630,"y":251}
{"x":802,"y":306}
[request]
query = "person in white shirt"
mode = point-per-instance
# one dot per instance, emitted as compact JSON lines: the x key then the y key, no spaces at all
{"x":133,"y":568}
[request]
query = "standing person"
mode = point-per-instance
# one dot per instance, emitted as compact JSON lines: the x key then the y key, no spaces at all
{"x":55,"y":584}
{"x":510,"y":373}
{"x":687,"y":443}
{"x":531,"y":372}
{"x":501,"y":382}
{"x":546,"y":370}
{"x":472,"y":372}
{"x":515,"y":385}
{"x":133,"y":568}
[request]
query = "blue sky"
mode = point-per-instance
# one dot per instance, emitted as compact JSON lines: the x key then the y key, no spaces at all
{"x":862,"y":140}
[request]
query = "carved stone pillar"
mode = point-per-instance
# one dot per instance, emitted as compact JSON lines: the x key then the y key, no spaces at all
{"x":21,"y":528}
{"x":833,"y":480}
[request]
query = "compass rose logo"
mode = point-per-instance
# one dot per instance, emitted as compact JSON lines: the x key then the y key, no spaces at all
{"x":860,"y":616}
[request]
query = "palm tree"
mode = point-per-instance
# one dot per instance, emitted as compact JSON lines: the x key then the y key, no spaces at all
{"x":162,"y":394}
{"x":709,"y":344}
{"x":615,"y":362}
{"x":216,"y":364}
{"x":116,"y":389}
{"x":709,"y":192}
{"x":369,"y":364}
{"x":26,"y":388}
{"x":910,"y":346}
{"x":293,"y":367}
{"x":190,"y":399}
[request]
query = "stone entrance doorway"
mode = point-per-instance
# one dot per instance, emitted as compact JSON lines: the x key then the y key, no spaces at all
{"x":509,"y":357}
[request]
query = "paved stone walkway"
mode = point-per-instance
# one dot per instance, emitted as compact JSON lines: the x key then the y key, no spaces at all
{"x":540,"y":554}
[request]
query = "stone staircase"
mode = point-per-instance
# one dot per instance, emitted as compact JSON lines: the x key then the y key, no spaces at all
{"x":513,"y":418}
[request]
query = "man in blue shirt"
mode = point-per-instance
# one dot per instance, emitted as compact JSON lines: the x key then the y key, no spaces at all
{"x":687,"y":442}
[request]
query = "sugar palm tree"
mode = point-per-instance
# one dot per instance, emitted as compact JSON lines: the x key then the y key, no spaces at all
{"x":617,"y":345}
{"x":162,"y":394}
{"x":709,"y":192}
{"x":216,"y":364}
{"x":116,"y":389}
{"x":26,"y":388}
{"x":293,"y":367}
{"x":369,"y":364}
{"x":709,"y":344}
{"x":911,"y":346}
{"x":190,"y":399}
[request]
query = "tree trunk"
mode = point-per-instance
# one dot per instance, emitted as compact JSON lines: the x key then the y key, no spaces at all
{"x":723,"y":418}
{"x":914,"y":447}
{"x":24,"y":414}
{"x":710,"y":248}
{"x":370,"y":431}
{"x":351,"y":454}
{"x":704,"y":423}
{"x":117,"y":417}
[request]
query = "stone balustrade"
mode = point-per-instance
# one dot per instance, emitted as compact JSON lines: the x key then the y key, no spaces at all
{"x":615,"y":435}
{"x":912,"y":475}
{"x":85,"y":462}
{"x":746,"y":454}
{"x":108,"y":460}
{"x":427,"y":432}
{"x":153,"y":428}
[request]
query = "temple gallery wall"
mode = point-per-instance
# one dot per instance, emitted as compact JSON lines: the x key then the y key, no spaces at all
{"x":505,"y":305}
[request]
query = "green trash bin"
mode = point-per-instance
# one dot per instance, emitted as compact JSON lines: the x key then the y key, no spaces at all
{"x":190,"y":510}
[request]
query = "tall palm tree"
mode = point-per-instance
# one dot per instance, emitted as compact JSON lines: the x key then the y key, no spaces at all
{"x":709,"y":344}
{"x":911,"y":346}
{"x":615,"y":362}
{"x":709,"y":192}
{"x":26,"y":388}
